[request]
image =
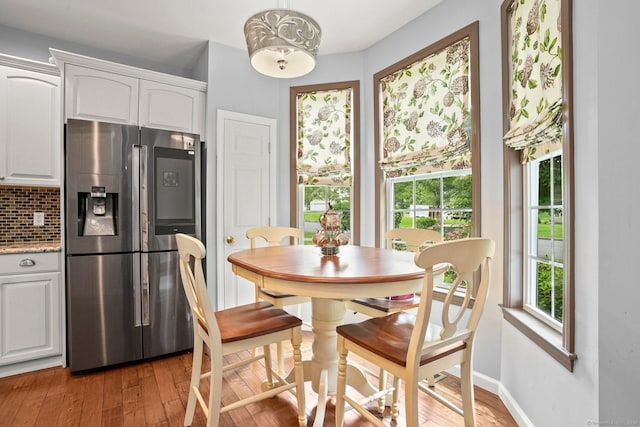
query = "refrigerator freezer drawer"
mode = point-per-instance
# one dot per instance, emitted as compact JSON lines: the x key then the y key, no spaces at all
{"x":169,"y":327}
{"x":101,"y":311}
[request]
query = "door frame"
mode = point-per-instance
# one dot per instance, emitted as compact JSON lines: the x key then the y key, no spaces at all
{"x":224,"y":115}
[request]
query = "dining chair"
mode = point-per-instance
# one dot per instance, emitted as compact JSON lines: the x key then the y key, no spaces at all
{"x":273,"y":236}
{"x":410,"y":347}
{"x":409,"y":239}
{"x":229,"y":331}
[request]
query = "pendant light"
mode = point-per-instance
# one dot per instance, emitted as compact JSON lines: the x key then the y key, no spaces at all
{"x":282,"y":42}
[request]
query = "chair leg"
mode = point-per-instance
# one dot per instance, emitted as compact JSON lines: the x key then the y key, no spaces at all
{"x":196,"y":370}
{"x":296,"y":341}
{"x":280,"y":357}
{"x":468,"y":402}
{"x":215,"y":391}
{"x":395,"y":410}
{"x":411,"y":401}
{"x":342,"y":382}
{"x":382,"y":384}
{"x":268,"y":366}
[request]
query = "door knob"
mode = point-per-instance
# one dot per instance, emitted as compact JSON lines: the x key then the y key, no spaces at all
{"x":230,"y":239}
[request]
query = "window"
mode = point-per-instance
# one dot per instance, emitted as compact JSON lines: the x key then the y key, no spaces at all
{"x":427,"y":134}
{"x":544,"y":276}
{"x":436,"y":201}
{"x":317,"y":199}
{"x":325,"y":166}
{"x":538,"y":169}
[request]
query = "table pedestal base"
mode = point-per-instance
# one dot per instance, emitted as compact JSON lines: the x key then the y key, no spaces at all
{"x":322,"y":369}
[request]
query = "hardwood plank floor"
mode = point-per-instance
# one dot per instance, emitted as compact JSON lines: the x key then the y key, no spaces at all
{"x":154,"y":393}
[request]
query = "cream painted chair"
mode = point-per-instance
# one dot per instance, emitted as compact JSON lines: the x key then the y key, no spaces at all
{"x":410,"y":347}
{"x":274,"y":236}
{"x":231,"y":331}
{"x":409,"y":239}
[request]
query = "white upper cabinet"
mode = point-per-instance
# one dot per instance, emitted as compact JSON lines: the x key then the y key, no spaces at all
{"x":165,"y":106}
{"x":30,"y":123}
{"x":98,"y":95}
{"x":116,"y":93}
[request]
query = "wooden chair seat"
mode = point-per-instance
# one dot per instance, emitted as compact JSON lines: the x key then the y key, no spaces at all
{"x":278,"y":295}
{"x":389,"y":337}
{"x":376,"y":307}
{"x":253,"y":320}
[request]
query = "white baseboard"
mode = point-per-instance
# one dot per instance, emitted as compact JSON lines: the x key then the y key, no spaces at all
{"x":483,"y":381}
{"x":490,"y":384}
{"x":31,"y":365}
{"x":514,"y":409}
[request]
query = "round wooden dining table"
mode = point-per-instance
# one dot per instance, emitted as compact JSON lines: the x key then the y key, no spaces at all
{"x":356,"y":272}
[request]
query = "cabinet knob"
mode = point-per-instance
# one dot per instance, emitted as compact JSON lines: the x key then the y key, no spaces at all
{"x":27,"y":262}
{"x":1,"y":178}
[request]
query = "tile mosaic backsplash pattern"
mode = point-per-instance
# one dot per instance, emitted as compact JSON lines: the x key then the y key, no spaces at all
{"x":17,"y":205}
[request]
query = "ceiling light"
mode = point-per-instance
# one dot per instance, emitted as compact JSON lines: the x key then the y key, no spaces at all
{"x":282,"y":42}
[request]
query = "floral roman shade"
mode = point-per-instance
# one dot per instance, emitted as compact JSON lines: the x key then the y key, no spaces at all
{"x":426,"y":123}
{"x":536,"y":79}
{"x":324,"y":137}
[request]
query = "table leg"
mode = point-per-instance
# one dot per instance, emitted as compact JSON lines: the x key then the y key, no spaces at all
{"x":326,"y":314}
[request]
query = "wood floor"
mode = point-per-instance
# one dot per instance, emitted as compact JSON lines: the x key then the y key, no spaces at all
{"x":153,"y":393}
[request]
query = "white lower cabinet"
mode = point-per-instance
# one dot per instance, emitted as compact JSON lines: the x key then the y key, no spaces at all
{"x":30,"y":308}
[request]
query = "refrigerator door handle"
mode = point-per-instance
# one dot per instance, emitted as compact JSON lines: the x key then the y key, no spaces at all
{"x":145,"y":290}
{"x":135,"y":196}
{"x":137,"y":297}
{"x":143,"y":197}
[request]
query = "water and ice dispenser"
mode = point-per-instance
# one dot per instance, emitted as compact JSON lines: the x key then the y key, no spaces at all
{"x":98,"y":212}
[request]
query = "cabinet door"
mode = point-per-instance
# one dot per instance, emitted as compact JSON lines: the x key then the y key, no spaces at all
{"x":164,"y":106}
{"x":30,"y":320}
{"x":99,"y":95}
{"x":30,"y":145}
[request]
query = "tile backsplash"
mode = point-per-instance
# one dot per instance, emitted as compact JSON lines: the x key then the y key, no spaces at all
{"x":17,"y":205}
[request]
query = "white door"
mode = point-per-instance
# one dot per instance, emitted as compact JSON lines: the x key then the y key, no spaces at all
{"x":246,"y":196}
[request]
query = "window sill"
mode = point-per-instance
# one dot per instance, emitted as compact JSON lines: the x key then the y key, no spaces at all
{"x":544,"y":336}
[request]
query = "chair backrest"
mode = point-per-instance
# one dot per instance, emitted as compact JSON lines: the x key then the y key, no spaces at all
{"x":191,"y":252}
{"x":414,"y":238}
{"x":466,"y":257}
{"x":273,"y":235}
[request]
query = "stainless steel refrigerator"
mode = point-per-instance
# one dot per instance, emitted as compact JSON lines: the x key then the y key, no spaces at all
{"x":128,"y":190}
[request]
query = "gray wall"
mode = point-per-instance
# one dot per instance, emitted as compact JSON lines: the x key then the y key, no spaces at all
{"x":618,"y":176}
{"x":36,"y":47}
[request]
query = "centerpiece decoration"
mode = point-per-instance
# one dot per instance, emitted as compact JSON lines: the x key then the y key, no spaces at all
{"x":331,"y":236}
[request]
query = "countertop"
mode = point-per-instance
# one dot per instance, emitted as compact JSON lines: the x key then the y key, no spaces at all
{"x":30,"y":247}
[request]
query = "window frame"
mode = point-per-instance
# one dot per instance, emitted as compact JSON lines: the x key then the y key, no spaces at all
{"x":294,"y":189}
{"x":558,"y":344}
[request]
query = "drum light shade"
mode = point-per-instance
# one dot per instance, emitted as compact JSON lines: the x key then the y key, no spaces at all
{"x":282,"y":42}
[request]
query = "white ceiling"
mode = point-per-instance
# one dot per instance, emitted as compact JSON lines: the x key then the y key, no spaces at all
{"x":174,"y":32}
